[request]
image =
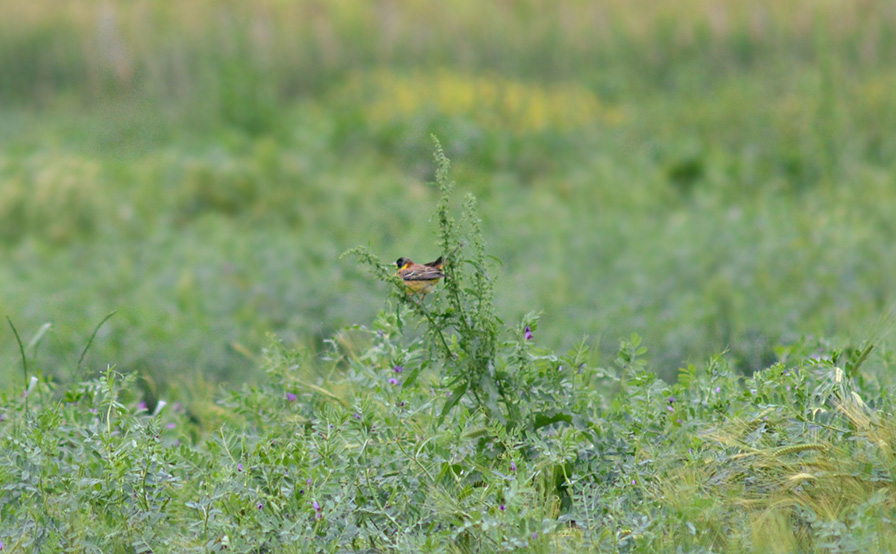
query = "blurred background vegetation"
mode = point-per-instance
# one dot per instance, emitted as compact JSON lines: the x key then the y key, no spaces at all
{"x":709,"y":175}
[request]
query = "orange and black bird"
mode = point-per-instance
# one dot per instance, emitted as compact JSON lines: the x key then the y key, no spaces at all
{"x":419,"y":278}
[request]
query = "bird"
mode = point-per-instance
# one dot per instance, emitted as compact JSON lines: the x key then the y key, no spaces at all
{"x":419,"y":278}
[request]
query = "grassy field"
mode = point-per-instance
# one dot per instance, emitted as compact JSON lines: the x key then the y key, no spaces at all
{"x":717,"y":179}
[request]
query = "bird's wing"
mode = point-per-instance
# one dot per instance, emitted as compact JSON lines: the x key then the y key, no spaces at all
{"x":421,"y":273}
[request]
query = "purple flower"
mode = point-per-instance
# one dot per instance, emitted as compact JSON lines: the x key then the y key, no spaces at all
{"x":718,"y":389}
{"x":356,"y":415}
{"x":316,"y":506}
{"x":501,"y":507}
{"x":534,"y":535}
{"x":634,"y":482}
{"x":239,"y":466}
{"x":291,"y":397}
{"x":393,"y":381}
{"x":528,"y":333}
{"x":171,"y":425}
{"x":512,"y":466}
{"x":308,"y":481}
{"x":670,"y":408}
{"x":141,"y":407}
{"x":260,"y":505}
{"x":671,"y":400}
{"x":398,"y":369}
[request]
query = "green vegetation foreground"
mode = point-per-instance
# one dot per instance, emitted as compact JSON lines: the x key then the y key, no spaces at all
{"x":466,"y":438}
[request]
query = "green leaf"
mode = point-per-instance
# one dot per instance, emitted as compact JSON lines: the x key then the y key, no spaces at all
{"x":542,"y":419}
{"x":412,"y":377}
{"x":456,"y":395}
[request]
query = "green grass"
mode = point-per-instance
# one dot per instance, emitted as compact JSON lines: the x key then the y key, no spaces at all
{"x":441,"y":428}
{"x":797,"y":458}
{"x":712,"y":178}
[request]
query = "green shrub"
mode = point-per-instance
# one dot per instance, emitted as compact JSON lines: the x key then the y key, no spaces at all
{"x":493,"y":369}
{"x":353,"y":450}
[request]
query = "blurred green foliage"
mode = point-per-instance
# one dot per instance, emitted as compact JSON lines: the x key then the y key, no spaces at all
{"x":709,"y":176}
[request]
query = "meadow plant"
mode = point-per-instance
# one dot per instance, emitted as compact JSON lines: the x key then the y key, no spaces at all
{"x":493,"y":368}
{"x":329,"y":454}
{"x":436,"y":427}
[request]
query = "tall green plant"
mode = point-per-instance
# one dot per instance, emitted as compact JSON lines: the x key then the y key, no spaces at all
{"x":510,"y":381}
{"x":460,"y":324}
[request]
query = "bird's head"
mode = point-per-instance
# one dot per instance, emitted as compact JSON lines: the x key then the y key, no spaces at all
{"x":402,"y":262}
